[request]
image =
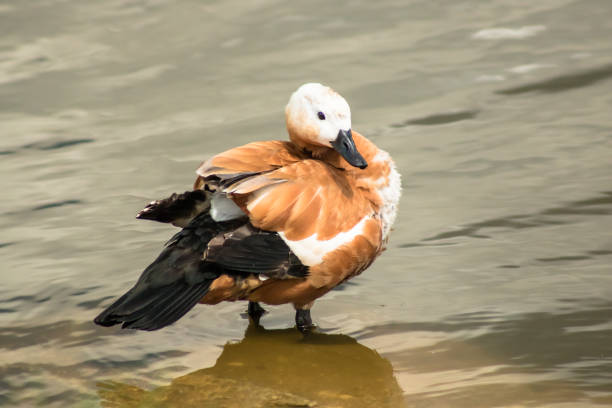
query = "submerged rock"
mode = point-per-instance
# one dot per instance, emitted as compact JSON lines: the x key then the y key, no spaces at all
{"x":276,"y":368}
{"x":201,"y":391}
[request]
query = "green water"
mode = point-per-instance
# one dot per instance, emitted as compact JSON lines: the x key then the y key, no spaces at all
{"x":496,"y":288}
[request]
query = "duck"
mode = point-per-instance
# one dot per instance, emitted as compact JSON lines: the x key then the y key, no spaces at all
{"x":272,"y":222}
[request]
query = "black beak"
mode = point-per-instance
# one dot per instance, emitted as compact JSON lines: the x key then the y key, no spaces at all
{"x":345,"y":145}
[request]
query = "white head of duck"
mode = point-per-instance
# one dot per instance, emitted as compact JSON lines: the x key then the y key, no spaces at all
{"x":318,"y":118}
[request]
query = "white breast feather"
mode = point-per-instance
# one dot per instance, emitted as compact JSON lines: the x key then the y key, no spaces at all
{"x":390,"y":193}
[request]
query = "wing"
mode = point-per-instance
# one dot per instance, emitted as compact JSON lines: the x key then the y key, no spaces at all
{"x":250,"y":250}
{"x":285,"y":191}
{"x":301,"y":200}
{"x":245,"y":162}
{"x":190,"y":264}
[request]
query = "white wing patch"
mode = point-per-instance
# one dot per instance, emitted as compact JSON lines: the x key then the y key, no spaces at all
{"x":311,"y":251}
{"x":224,"y":209}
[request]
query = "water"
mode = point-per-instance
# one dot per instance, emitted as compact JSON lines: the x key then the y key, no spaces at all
{"x":496,"y":289}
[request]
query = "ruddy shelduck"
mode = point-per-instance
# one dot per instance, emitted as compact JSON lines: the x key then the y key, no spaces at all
{"x":273,"y":222}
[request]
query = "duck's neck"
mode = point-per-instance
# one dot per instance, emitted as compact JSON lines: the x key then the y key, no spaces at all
{"x":303,"y":141}
{"x":366,"y":148}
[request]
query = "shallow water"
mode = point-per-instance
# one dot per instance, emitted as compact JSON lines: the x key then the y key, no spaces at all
{"x":496,"y":288}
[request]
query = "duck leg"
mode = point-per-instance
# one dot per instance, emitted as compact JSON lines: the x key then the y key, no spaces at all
{"x":303,"y":320}
{"x":255,"y":311}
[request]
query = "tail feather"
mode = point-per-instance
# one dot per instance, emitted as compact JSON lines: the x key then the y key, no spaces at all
{"x":167,"y":312}
{"x":162,"y":308}
{"x":169,"y":315}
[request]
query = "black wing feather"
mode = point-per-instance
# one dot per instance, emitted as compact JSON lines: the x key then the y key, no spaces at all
{"x":183,"y":206}
{"x":172,"y":284}
{"x":192,"y":259}
{"x":251,"y":250}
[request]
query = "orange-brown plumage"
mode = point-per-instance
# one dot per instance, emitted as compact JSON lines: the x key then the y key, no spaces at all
{"x":304,"y":193}
{"x":275,"y":222}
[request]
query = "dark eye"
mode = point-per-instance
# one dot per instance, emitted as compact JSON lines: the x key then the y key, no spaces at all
{"x":321,"y":115}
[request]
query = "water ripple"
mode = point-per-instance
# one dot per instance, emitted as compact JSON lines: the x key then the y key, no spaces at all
{"x":563,"y":82}
{"x":57,"y":204}
{"x":439,"y":119}
{"x":592,"y":206}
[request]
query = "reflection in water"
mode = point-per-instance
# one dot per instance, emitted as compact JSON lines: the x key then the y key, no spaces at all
{"x":275,"y":368}
{"x":563,"y":82}
{"x":472,"y":360}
